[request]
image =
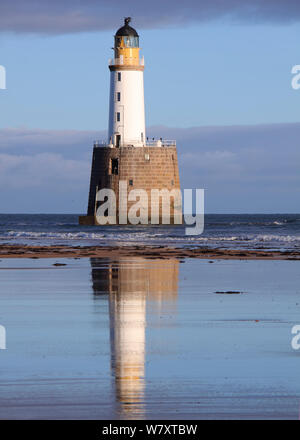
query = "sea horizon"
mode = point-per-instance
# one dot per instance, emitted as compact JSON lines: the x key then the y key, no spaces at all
{"x":279,"y":232}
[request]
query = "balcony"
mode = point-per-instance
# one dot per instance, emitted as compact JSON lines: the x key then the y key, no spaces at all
{"x":128,"y":61}
{"x":138,"y":144}
{"x":160,"y":143}
{"x":100,"y":144}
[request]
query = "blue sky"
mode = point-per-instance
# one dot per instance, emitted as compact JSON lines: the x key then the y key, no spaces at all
{"x":209,"y":74}
{"x":202,"y":76}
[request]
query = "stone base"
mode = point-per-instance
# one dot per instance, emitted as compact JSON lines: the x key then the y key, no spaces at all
{"x":143,"y":168}
{"x":87,"y":220}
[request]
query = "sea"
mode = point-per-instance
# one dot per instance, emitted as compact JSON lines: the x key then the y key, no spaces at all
{"x":136,"y":338}
{"x":225,"y":231}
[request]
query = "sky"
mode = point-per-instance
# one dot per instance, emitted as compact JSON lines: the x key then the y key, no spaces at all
{"x":217,"y":79}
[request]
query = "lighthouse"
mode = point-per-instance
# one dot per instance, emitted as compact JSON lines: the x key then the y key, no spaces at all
{"x":128,"y":160}
{"x":126,"y":105}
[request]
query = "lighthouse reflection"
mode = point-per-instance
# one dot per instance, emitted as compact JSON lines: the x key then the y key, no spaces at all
{"x":135,"y":286}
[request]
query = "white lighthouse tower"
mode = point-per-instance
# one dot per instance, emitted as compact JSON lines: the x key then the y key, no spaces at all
{"x":126,"y":106}
{"x":128,"y":156}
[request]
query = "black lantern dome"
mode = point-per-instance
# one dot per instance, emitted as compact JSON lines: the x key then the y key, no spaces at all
{"x":126,"y":30}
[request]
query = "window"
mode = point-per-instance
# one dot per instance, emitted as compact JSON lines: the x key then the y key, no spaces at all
{"x":126,"y":41}
{"x":115,"y":166}
{"x":119,"y":76}
{"x":118,"y":116}
{"x":118,"y":96}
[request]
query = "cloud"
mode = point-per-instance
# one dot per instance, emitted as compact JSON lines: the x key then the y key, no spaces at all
{"x":243,"y":168}
{"x":68,"y":16}
{"x":251,"y":168}
{"x":70,"y":143}
{"x":46,"y":170}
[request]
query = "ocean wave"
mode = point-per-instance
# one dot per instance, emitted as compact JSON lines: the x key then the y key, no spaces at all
{"x":254,"y":238}
{"x":148,"y":236}
{"x":53,"y":235}
{"x":283,"y":238}
{"x":262,"y":223}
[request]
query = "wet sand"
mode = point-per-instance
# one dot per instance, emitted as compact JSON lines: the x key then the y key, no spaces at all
{"x":140,"y":338}
{"x":13,"y":251}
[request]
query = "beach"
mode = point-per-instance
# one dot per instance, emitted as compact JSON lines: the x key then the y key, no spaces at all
{"x":146,"y":323}
{"x":139,"y":338}
{"x":13,"y":251}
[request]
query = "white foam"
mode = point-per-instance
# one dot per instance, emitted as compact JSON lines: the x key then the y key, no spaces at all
{"x":53,"y":235}
{"x":148,"y":236}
